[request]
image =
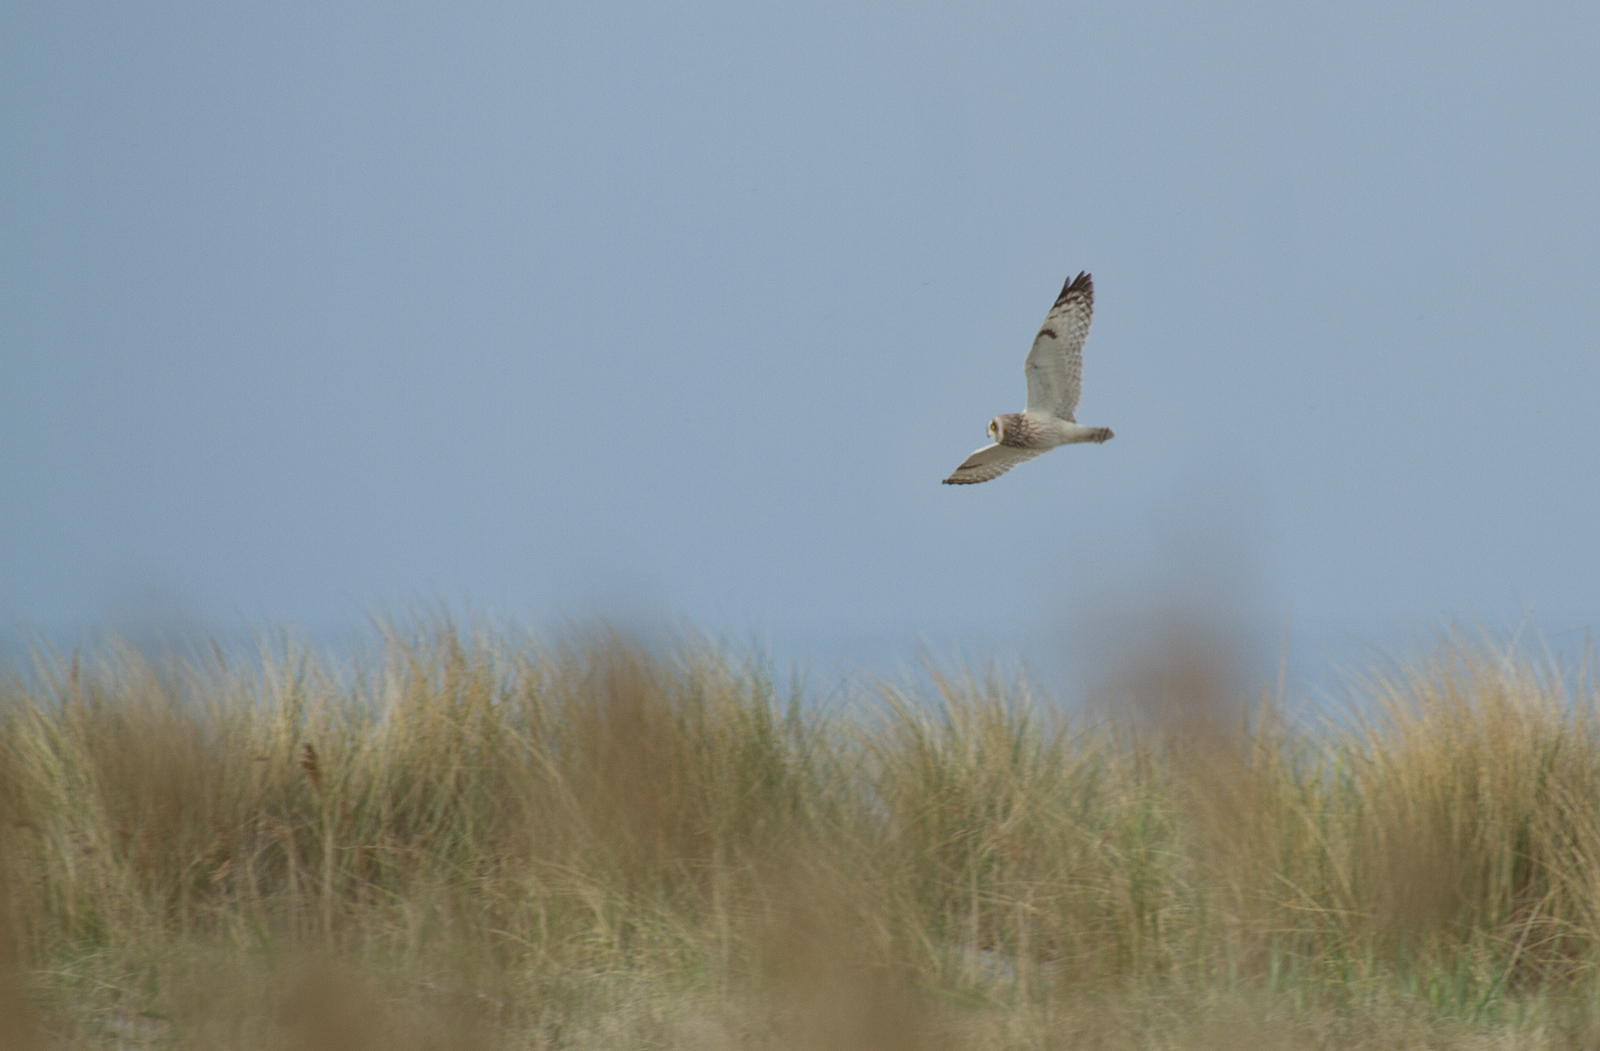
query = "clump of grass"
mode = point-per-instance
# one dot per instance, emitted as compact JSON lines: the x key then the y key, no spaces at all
{"x":477,"y":836}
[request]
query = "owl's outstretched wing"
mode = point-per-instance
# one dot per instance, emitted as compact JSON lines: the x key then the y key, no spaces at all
{"x":1055,"y":364}
{"x":991,"y":461}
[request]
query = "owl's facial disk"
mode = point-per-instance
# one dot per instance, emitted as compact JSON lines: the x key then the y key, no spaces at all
{"x":996,"y":429}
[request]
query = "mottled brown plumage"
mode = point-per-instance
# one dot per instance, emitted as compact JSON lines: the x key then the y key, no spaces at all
{"x":1054,"y":371}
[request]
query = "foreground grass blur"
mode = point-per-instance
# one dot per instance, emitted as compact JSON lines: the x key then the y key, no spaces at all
{"x":474,"y":840}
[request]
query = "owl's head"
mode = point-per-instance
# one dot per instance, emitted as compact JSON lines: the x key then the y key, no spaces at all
{"x":997,"y":429}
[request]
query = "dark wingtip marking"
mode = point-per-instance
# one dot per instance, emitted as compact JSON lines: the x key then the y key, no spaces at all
{"x":1048,"y":332}
{"x":1082,"y":283}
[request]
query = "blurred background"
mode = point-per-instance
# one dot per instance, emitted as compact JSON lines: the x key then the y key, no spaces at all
{"x":559,"y":310}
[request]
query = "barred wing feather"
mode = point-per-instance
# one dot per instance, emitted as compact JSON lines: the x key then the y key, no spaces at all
{"x":990,"y":462}
{"x":1055,"y":364}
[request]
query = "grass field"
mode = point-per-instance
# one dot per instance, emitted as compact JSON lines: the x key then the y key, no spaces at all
{"x":472,"y":839}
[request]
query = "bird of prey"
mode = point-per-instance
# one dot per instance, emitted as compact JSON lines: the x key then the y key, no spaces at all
{"x":1055,"y":372}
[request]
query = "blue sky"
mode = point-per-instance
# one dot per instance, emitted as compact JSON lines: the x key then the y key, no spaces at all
{"x":684,"y":311}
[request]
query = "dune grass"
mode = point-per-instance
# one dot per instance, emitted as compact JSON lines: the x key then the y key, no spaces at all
{"x":475,"y":839}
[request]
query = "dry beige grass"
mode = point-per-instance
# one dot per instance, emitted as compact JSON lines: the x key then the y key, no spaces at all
{"x":476,"y":840}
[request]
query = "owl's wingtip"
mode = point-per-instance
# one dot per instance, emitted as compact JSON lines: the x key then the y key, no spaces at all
{"x":1084,"y":283}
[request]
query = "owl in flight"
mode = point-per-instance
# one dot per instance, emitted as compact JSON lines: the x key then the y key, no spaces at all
{"x":1055,"y":372}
